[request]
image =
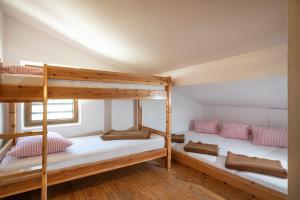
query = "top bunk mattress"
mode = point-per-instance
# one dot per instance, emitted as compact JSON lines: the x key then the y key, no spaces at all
{"x":85,"y":150}
{"x":240,"y":147}
{"x":37,"y":80}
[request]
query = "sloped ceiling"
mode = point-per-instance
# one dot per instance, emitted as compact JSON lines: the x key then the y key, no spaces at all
{"x":266,"y":93}
{"x":157,"y":36}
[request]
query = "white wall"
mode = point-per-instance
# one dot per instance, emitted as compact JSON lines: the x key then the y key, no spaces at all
{"x":254,"y":116}
{"x":259,"y":64}
{"x":1,"y":34}
{"x":2,"y":112}
{"x":23,"y":42}
{"x":154,"y":113}
{"x":91,"y":119}
{"x":122,"y":114}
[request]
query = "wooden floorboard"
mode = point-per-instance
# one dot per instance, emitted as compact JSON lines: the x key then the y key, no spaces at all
{"x":148,"y":180}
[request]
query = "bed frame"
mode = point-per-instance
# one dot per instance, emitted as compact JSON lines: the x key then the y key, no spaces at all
{"x":39,"y":177}
{"x":251,"y":187}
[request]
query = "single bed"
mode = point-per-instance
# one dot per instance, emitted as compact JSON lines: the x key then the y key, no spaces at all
{"x":241,"y":147}
{"x":86,"y":149}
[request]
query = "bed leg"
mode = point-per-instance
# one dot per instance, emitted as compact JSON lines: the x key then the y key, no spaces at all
{"x":168,"y":162}
{"x":168,"y":123}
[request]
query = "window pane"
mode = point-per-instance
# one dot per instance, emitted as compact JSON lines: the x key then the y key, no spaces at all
{"x":57,"y":109}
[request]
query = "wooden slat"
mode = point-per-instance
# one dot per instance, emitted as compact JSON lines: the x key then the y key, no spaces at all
{"x":13,"y":93}
{"x":246,"y":185}
{"x":66,"y":73}
{"x":45,"y":132}
{"x":18,"y":175}
{"x":79,"y":171}
{"x":24,"y":134}
{"x":6,"y":148}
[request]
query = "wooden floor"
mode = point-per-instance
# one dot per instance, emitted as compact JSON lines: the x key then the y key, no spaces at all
{"x":143,"y":181}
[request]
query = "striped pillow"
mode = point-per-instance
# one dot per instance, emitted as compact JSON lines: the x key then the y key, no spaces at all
{"x":274,"y":137}
{"x":206,"y":126}
{"x":235,"y":130}
{"x":32,"y":145}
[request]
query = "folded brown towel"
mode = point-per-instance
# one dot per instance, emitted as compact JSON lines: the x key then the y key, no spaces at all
{"x":126,"y":135}
{"x":177,"y":138}
{"x":254,"y":164}
{"x":199,"y":147}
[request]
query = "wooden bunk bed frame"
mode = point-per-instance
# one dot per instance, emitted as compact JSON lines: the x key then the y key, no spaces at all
{"x":30,"y":179}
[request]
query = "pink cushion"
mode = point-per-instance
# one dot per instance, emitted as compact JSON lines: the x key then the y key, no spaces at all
{"x":235,"y":130}
{"x":206,"y":126}
{"x":32,"y":145}
{"x":275,"y":137}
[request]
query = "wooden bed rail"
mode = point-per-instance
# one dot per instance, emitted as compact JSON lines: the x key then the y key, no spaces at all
{"x":24,"y":134}
{"x":66,"y":73}
{"x":15,"y":93}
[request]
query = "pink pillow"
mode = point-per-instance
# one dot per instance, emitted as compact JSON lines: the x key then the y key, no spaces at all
{"x":235,"y":130}
{"x":32,"y":145}
{"x":274,"y":137}
{"x":206,"y":126}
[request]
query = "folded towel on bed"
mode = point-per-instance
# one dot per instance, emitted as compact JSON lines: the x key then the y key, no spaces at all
{"x":177,"y":138}
{"x":254,"y":164}
{"x":126,"y":135}
{"x":199,"y":147}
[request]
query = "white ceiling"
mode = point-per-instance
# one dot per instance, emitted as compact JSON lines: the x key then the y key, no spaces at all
{"x":157,"y":36}
{"x":267,"y":93}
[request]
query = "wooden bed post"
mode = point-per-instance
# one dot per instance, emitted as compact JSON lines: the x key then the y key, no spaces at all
{"x":44,"y":146}
{"x":140,"y":114}
{"x":168,"y":122}
{"x":12,"y":118}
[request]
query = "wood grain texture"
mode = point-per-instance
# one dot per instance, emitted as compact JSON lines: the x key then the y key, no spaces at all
{"x":24,"y":134}
{"x":45,"y":133}
{"x":6,"y":147}
{"x":12,"y":109}
{"x":79,"y":171}
{"x":168,"y":121}
{"x":145,"y":128}
{"x":145,"y":181}
{"x":257,"y":190}
{"x":140,"y":114}
{"x":66,"y":73}
{"x":15,"y":93}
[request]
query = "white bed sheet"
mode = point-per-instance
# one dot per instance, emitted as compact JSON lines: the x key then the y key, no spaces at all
{"x":241,"y":147}
{"x":17,"y":79}
{"x":85,"y":150}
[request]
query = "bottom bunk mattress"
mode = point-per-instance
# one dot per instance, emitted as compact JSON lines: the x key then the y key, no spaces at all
{"x":85,"y":150}
{"x":244,"y":147}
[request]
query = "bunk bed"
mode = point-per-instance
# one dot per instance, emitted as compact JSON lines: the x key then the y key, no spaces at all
{"x":30,"y":83}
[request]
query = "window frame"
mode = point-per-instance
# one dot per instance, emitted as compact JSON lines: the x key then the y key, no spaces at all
{"x":28,"y":122}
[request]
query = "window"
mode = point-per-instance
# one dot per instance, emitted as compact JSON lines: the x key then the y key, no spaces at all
{"x":60,"y":111}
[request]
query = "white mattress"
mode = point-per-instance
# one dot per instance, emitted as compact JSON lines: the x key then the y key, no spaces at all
{"x":85,"y":150}
{"x":241,"y":147}
{"x":32,"y":80}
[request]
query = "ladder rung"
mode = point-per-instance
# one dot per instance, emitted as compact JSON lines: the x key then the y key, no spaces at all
{"x":24,"y":134}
